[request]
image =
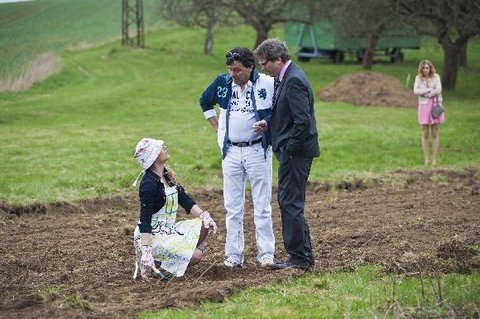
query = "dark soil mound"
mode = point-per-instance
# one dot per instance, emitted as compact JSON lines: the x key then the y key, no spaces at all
{"x":369,"y":88}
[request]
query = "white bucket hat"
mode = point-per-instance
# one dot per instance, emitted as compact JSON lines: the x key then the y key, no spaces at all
{"x":146,"y":153}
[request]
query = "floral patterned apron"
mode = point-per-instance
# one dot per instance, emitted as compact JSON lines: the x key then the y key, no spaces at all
{"x":173,"y":243}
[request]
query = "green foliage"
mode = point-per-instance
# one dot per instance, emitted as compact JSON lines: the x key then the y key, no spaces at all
{"x":73,"y":135}
{"x":364,"y":293}
{"x":75,"y":301}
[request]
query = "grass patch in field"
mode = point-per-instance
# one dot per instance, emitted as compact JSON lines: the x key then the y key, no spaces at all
{"x":76,"y":301}
{"x":365,"y":293}
{"x":28,"y":29}
{"x":73,"y":135}
{"x":49,"y":293}
{"x":40,"y":68}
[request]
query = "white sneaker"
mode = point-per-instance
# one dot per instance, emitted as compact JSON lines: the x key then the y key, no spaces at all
{"x":266,"y":261}
{"x":231,"y":262}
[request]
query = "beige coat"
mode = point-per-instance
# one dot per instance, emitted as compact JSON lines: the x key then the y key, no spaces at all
{"x":427,"y":87}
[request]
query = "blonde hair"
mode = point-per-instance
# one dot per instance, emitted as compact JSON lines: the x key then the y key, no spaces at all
{"x":430,"y":64}
{"x":170,"y":176}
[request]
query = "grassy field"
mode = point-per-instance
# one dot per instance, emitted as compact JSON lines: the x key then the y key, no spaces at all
{"x":28,"y":29}
{"x":73,"y":135}
{"x":365,"y":293}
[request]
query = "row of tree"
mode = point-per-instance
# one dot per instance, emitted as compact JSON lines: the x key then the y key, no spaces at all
{"x":452,"y":22}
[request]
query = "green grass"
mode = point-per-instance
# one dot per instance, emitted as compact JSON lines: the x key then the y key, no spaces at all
{"x":75,"y":301}
{"x":365,"y":293}
{"x":73,"y":135}
{"x":28,"y":29}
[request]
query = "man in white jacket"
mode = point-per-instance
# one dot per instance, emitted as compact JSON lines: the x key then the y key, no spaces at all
{"x":244,"y":97}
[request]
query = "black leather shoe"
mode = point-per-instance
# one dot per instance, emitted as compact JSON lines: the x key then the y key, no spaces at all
{"x":284,"y":265}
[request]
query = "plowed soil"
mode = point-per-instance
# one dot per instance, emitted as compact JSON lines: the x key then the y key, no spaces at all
{"x":75,"y":260}
{"x":369,"y":88}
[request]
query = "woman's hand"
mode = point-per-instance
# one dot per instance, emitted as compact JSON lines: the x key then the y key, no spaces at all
{"x":427,"y":93}
{"x":208,"y":221}
{"x":146,"y":262}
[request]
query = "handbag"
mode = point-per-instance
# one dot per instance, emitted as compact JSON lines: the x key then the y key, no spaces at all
{"x":437,"y":109}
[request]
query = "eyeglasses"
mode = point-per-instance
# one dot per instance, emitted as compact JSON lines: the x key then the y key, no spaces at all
{"x":263,"y":63}
{"x":235,"y":56}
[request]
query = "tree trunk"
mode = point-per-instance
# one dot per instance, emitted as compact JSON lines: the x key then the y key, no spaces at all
{"x":368,"y":57}
{"x":450,"y":64}
{"x":207,"y":49}
{"x":462,"y":56}
{"x":262,"y":35}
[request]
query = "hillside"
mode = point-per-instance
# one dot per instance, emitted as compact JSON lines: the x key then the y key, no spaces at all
{"x":28,"y":29}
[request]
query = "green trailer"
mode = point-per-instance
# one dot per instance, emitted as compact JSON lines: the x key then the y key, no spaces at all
{"x":321,"y":40}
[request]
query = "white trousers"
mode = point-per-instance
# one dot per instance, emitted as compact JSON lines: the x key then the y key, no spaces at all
{"x":239,"y":164}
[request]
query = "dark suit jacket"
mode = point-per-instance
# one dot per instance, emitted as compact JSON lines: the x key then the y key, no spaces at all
{"x":292,"y":123}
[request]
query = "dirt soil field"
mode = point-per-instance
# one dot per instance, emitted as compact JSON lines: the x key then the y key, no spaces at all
{"x":369,"y":88}
{"x":75,"y":260}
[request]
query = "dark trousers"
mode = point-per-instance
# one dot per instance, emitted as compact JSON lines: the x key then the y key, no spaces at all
{"x":292,"y":183}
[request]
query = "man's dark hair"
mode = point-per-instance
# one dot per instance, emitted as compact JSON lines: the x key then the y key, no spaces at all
{"x":241,"y":54}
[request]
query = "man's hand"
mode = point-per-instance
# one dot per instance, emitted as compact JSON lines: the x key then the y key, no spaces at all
{"x":260,"y":126}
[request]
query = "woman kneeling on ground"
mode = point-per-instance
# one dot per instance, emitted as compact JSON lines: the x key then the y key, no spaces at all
{"x":164,"y":248}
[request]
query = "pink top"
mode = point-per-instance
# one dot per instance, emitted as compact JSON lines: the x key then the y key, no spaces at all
{"x":282,"y":72}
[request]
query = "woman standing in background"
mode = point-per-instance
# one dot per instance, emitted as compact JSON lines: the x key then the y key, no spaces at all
{"x":428,"y":88}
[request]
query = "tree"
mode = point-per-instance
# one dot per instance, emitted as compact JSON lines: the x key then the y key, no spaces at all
{"x":261,"y":15}
{"x":203,"y":13}
{"x":462,"y":58}
{"x":452,"y":22}
{"x":366,"y":18}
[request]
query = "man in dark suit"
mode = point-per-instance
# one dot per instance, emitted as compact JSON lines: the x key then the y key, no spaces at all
{"x":294,"y":139}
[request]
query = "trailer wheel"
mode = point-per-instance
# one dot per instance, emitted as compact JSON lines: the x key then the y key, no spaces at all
{"x":397,"y":56}
{"x":305,"y":54}
{"x":338,"y":57}
{"x":360,"y":54}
